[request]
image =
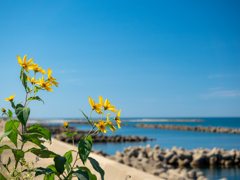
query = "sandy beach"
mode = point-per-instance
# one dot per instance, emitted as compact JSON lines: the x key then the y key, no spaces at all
{"x":113,"y":170}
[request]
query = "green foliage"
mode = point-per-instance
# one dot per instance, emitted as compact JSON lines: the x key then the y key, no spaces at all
{"x":23,"y":78}
{"x":6,"y":165}
{"x":97,"y":167}
{"x":18,"y":154}
{"x":42,"y":153}
{"x":59,"y":163}
{"x":22,"y":114}
{"x":5,"y":134}
{"x":10,"y":114}
{"x":89,"y":121}
{"x":34,"y":138}
{"x":12,"y":126}
{"x":64,"y":166}
{"x":84,"y":148}
{"x":40,"y":171}
{"x":35,"y":98}
{"x":91,"y":176}
{"x":4,"y":147}
{"x":81,"y":175}
{"x":38,"y":129}
{"x":2,"y":177}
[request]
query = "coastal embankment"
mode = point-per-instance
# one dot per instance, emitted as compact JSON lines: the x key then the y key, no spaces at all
{"x":177,"y":157}
{"x":58,"y":132}
{"x":190,"y":128}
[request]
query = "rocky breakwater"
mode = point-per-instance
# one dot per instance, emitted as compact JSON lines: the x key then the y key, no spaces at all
{"x":190,"y":128}
{"x":57,"y":129}
{"x":103,"y":138}
{"x":159,"y":162}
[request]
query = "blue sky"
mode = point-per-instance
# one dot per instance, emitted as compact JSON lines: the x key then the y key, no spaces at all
{"x":149,"y":58}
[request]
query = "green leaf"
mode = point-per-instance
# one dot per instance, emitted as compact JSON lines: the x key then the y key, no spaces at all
{"x":81,"y":175}
{"x":97,"y":167}
{"x":35,"y":98}
{"x":12,"y":126}
{"x":9,"y":161}
{"x":52,"y":167}
{"x":36,"y":89}
{"x":40,"y":171}
{"x":19,"y":105}
{"x":4,"y":147}
{"x":68,"y":134}
{"x":22,"y":114}
{"x":2,"y":177}
{"x":13,"y":105}
{"x":49,"y":176}
{"x":68,"y":155}
{"x":91,"y":176}
{"x":4,"y":135}
{"x":18,"y":154}
{"x":36,"y":128}
{"x":90,"y":122}
{"x":23,"y":78}
{"x":59,"y":163}
{"x":42,"y":153}
{"x":10,"y":114}
{"x":34,"y":138}
{"x":74,"y":134}
{"x":28,"y":89}
{"x":6,"y":165}
{"x":84,"y":148}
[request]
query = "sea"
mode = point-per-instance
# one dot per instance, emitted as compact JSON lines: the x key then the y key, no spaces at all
{"x":169,"y":138}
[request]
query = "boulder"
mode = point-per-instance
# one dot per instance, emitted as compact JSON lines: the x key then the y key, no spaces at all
{"x":183,"y":163}
{"x":192,"y":174}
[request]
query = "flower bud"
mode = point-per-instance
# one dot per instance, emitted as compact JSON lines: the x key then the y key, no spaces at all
{"x":65,"y":124}
{"x":3,"y":110}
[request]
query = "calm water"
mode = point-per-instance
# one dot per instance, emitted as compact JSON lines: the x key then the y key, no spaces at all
{"x":186,"y":139}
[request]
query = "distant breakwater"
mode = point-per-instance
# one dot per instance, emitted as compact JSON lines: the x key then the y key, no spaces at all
{"x":103,"y":138}
{"x":190,"y":128}
{"x":58,"y":132}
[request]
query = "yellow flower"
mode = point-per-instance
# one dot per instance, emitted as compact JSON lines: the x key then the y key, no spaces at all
{"x":10,"y":98}
{"x":3,"y":110}
{"x":107,"y":105}
{"x":96,"y":107}
{"x":65,"y":124}
{"x":118,"y":119}
{"x":24,"y":64}
{"x":31,"y":80}
{"x":44,"y":85}
{"x":101,"y":126}
{"x":38,"y":69}
{"x":50,"y":78}
{"x":110,"y":123}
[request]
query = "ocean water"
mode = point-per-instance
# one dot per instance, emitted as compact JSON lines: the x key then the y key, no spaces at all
{"x":185,"y":139}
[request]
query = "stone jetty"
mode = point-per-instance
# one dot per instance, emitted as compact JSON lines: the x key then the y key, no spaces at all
{"x":58,"y":134}
{"x":190,"y":128}
{"x":181,"y":157}
{"x":103,"y":138}
{"x":175,"y":163}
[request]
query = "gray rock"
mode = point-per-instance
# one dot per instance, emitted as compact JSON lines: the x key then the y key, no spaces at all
{"x":173,"y":160}
{"x":163,"y":175}
{"x":183,"y":163}
{"x":168,"y":156}
{"x":192,"y":174}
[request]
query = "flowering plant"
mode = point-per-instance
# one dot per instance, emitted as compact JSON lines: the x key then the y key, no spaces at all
{"x":64,"y":166}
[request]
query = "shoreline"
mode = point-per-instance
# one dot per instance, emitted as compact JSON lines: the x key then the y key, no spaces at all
{"x":198,"y":128}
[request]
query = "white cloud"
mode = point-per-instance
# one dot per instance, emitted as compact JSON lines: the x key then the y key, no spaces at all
{"x":224,"y":94}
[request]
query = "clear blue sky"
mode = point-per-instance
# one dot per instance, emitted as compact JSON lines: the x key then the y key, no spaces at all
{"x":149,"y":58}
